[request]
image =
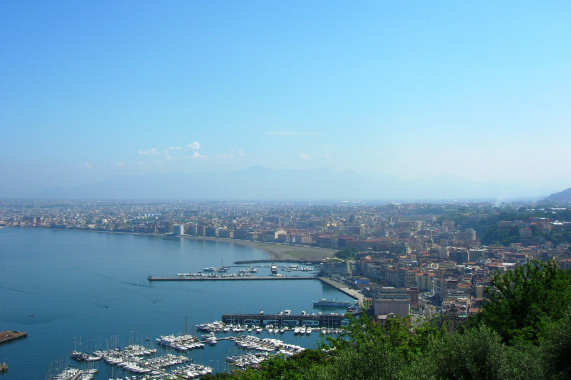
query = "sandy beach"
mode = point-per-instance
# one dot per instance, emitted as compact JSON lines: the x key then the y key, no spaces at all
{"x":277,"y":251}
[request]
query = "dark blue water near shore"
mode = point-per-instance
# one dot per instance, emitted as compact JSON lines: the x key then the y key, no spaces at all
{"x":89,"y":290}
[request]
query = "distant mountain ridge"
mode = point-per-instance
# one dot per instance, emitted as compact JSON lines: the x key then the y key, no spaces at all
{"x":261,"y":183}
{"x":560,"y":197}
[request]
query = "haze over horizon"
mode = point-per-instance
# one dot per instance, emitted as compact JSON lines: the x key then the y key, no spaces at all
{"x":457,"y":99}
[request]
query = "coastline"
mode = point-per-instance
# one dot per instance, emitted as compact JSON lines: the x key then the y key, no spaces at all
{"x":276,"y":251}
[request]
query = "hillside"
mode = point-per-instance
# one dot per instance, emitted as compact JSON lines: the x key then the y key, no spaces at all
{"x":562,"y":197}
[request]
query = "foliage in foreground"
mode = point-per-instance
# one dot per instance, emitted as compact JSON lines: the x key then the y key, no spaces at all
{"x":524,"y":332}
{"x":524,"y":302}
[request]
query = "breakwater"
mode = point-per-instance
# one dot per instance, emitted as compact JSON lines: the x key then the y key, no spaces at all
{"x":7,"y":336}
{"x":303,"y":262}
{"x":336,"y":284}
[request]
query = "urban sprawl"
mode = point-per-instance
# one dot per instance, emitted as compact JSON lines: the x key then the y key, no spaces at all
{"x":406,"y":259}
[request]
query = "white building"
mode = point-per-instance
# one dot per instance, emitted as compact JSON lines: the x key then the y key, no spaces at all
{"x":178,"y":229}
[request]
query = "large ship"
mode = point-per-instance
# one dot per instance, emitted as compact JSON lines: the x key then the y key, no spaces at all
{"x":332,"y":303}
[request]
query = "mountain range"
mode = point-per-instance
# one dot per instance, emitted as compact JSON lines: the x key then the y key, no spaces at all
{"x":260,"y":183}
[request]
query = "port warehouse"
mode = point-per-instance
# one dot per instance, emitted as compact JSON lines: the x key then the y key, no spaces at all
{"x":320,"y":320}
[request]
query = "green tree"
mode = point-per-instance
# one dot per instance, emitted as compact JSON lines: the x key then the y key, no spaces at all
{"x":556,"y":349}
{"x":293,"y":368}
{"x":478,"y":354}
{"x":346,"y":254}
{"x":524,"y":301}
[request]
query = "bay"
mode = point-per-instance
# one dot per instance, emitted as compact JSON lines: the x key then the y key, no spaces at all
{"x":87,"y":290}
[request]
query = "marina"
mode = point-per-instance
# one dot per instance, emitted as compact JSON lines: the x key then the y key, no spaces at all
{"x":75,"y":374}
{"x":115,"y":306}
{"x":150,"y":363}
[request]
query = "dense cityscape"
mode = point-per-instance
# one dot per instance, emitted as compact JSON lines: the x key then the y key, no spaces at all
{"x":285,"y":190}
{"x":418,"y":259}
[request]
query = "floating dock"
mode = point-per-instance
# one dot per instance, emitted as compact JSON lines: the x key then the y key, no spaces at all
{"x":7,"y":336}
{"x":313,"y":320}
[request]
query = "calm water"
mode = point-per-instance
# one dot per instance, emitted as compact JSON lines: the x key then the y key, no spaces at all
{"x":86,"y":290}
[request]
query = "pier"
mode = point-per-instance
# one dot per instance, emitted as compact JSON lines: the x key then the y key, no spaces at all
{"x":293,"y":261}
{"x":229,"y":278}
{"x":7,"y":336}
{"x":336,"y":284}
{"x":344,"y":288}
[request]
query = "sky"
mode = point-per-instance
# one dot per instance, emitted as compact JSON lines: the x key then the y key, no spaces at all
{"x":479,"y":91}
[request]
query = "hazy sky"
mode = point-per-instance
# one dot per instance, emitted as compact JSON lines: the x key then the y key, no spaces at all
{"x":95,"y":89}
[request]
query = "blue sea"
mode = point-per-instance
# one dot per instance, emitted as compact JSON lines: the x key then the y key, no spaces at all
{"x":75,"y":290}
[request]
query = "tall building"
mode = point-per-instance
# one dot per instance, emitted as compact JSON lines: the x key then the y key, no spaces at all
{"x":392,"y":301}
{"x":178,"y":229}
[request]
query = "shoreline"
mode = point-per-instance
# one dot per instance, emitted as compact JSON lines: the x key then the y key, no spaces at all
{"x":276,"y":251}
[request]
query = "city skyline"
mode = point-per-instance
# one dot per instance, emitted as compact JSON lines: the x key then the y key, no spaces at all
{"x":470,"y":93}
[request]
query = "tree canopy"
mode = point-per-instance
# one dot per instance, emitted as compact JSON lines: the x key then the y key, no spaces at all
{"x":524,"y":301}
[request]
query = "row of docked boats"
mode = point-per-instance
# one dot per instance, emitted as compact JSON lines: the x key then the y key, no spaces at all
{"x":263,"y":349}
{"x":221,"y":327}
{"x":252,"y":326}
{"x":129,"y":351}
{"x":247,"y":360}
{"x":250,"y":342}
{"x":71,"y":373}
{"x":191,"y":371}
{"x":135,"y":359}
{"x":210,"y":338}
{"x":181,"y":342}
{"x":297,"y":268}
{"x":153,"y":367}
{"x":302,"y":330}
{"x":84,"y":357}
